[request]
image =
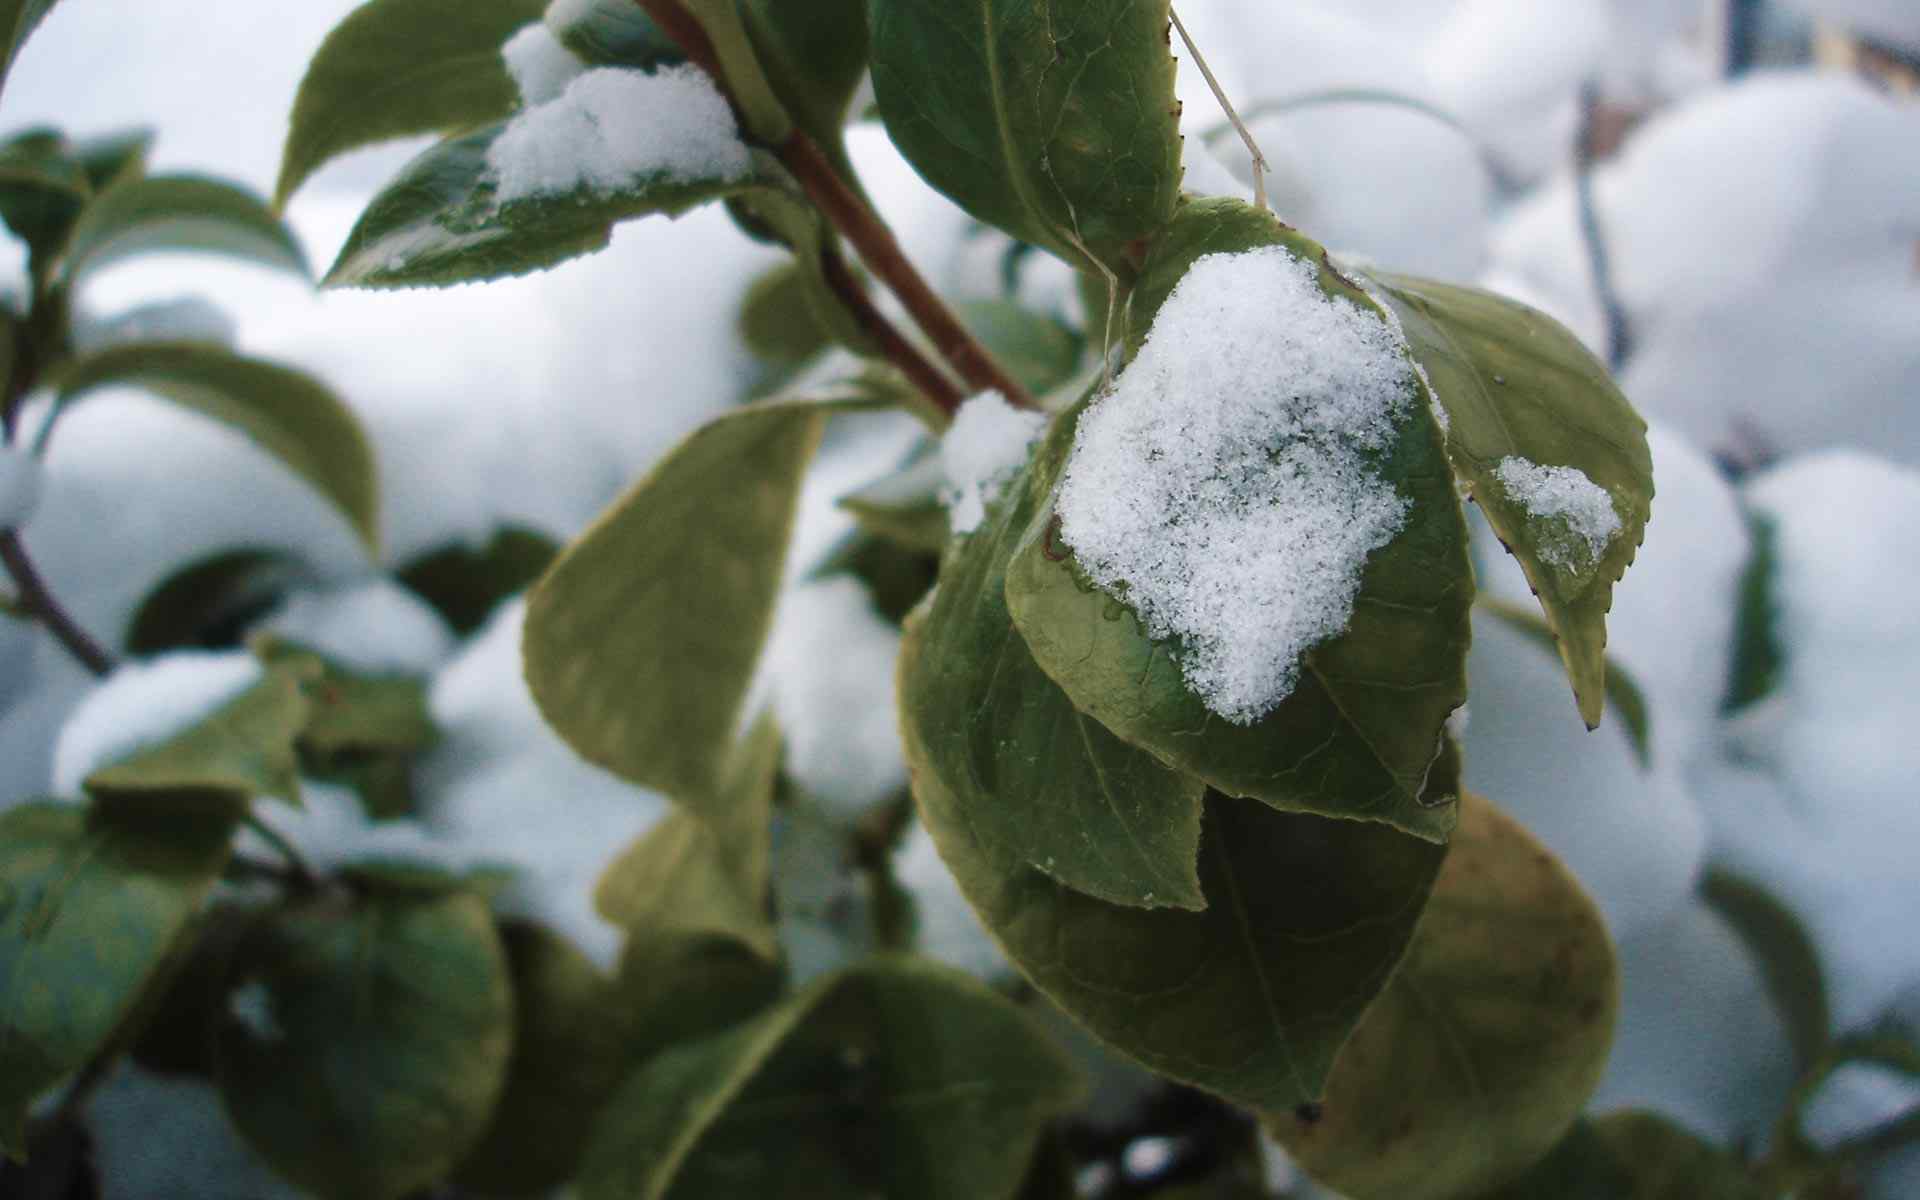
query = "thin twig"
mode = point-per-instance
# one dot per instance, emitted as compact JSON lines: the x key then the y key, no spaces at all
{"x":33,"y":596}
{"x":1219,"y":93}
{"x":1599,"y":260}
{"x":863,"y":229}
{"x":301,"y":873}
{"x":929,"y":379}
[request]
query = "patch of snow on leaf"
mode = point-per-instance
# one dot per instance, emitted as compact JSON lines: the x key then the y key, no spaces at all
{"x":613,"y":128}
{"x":1224,"y":486}
{"x":331,"y":829}
{"x":540,"y":64}
{"x":831,"y":659}
{"x":22,"y":482}
{"x":251,"y":1004}
{"x":142,"y":705}
{"x":1563,"y":494}
{"x":982,"y":451}
{"x":375,"y":628}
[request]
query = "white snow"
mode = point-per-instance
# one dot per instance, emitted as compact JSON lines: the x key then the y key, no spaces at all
{"x":374,"y":628}
{"x":1572,"y":517}
{"x":251,"y":1004}
{"x":613,"y":128}
{"x":22,"y":482}
{"x":143,"y":704}
{"x":985,"y":447}
{"x":331,"y":830}
{"x":1223,"y":486}
{"x":1858,"y":1099}
{"x":831,"y":663}
{"x":541,"y":66}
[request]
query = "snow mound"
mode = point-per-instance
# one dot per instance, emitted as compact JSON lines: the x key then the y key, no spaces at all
{"x":375,"y":628}
{"x":1224,"y":487}
{"x":142,"y":705}
{"x":983,"y":450}
{"x":540,"y":65}
{"x":1563,"y":496}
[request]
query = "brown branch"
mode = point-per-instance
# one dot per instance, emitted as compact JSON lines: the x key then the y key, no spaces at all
{"x":39,"y":602}
{"x":863,"y":229}
{"x":929,"y":379}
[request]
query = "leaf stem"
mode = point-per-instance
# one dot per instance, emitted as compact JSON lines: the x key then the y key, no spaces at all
{"x":1599,"y":259}
{"x":33,"y":597}
{"x":1260,"y":167}
{"x":859,"y":224}
{"x":302,"y":874}
{"x":929,"y":379}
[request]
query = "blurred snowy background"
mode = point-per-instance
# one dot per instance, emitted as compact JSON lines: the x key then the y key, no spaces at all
{"x":1753,"y":170}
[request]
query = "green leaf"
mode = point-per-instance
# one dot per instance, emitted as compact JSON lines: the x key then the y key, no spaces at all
{"x":814,"y":56}
{"x":897,"y":1078}
{"x":1305,"y":920}
{"x":438,"y":223}
{"x":1786,"y":954}
{"x":366,"y":1039}
{"x":179,"y":212}
{"x":350,"y":711}
{"x":1358,"y":734}
{"x":764,"y":117}
{"x":208,"y":604}
{"x":1483,"y":1049}
{"x":244,"y":748}
{"x":1042,"y":784}
{"x":1581,"y":1167}
{"x":397,"y":68}
{"x":1759,"y":656}
{"x":1623,"y":694}
{"x":897,"y":578}
{"x":777,"y":320}
{"x":569,"y":1056}
{"x":111,"y":158}
{"x":634,"y":673}
{"x":1057,"y":123}
{"x":904,"y":506}
{"x":288,"y":413}
{"x":466,"y":584}
{"x":42,"y":190}
{"x":18,"y":20}
{"x":1665,"y":1162}
{"x":1515,"y":383}
{"x":611,"y":33}
{"x":91,"y":903}
{"x":1039,"y":352}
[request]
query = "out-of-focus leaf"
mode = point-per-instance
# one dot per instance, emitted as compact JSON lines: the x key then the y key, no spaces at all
{"x":465,"y":585}
{"x":1621,"y":691}
{"x":396,"y":68}
{"x":569,"y":1056}
{"x":1759,"y":658}
{"x":111,"y":158}
{"x":1039,"y":352}
{"x":897,"y":1078}
{"x":209,"y":603}
{"x":1516,"y":384}
{"x":642,"y":639}
{"x":897,"y":578}
{"x":1305,"y":920}
{"x":365,"y":1040}
{"x":1581,"y":1167}
{"x":1486,"y":1045}
{"x":1665,"y":1162}
{"x":179,"y":212}
{"x":904,"y":506}
{"x":1040,"y":782}
{"x":288,"y":413}
{"x":1057,"y":123}
{"x":815,"y":56}
{"x":18,"y":20}
{"x":42,"y":190}
{"x":1786,"y":954}
{"x":611,"y":33}
{"x":438,"y":222}
{"x":776,"y":320}
{"x":245,"y":748}
{"x":91,"y":902}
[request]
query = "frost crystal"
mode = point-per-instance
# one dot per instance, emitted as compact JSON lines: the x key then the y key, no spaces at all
{"x":541,"y":66}
{"x":1225,"y":487}
{"x":1563,"y":494}
{"x":252,"y":1005}
{"x":982,"y":452}
{"x":612,"y":128}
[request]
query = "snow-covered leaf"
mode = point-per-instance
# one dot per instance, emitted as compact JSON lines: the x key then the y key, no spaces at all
{"x":1487,"y":1043}
{"x":286,"y":412}
{"x":1250,"y":998}
{"x":569,"y":1055}
{"x":91,"y":902}
{"x":937,"y":1087}
{"x":365,"y":1039}
{"x":1547,"y":447}
{"x":396,"y":68}
{"x":642,"y":638}
{"x":1358,"y":729}
{"x":1042,"y":784}
{"x":245,"y":747}
{"x":1056,"y":123}
{"x":179,"y":213}
{"x":441,"y":221}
